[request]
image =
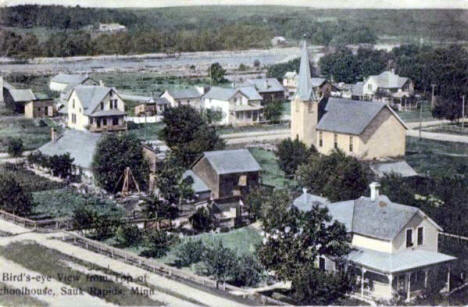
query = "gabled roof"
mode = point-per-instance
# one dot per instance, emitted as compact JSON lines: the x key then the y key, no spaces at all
{"x":222,"y":93}
{"x":306,"y":201}
{"x":389,"y":79}
{"x":90,"y":96}
{"x":185,"y":93}
{"x":22,"y":95}
{"x":79,"y":144}
{"x":304,"y":87}
{"x":144,"y":99}
{"x":401,"y":168}
{"x":198,"y":185}
{"x":232,"y":161}
{"x":70,"y":78}
{"x":381,"y":219}
{"x":350,"y":116}
{"x":316,"y":81}
{"x":266,"y":85}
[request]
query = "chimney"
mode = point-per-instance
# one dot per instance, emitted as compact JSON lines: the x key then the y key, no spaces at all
{"x":53,"y":136}
{"x":101,"y":83}
{"x":374,"y":190}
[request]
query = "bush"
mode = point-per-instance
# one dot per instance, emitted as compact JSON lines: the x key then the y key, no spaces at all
{"x":13,"y":198}
{"x":201,"y":220}
{"x":127,"y":235}
{"x":29,"y":181}
{"x":190,"y":252}
{"x":15,"y":147}
{"x":248,"y":271}
{"x":157,"y":243}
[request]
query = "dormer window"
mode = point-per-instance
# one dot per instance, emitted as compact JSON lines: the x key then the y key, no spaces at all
{"x":409,"y":237}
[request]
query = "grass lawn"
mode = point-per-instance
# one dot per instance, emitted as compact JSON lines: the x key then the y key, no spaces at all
{"x":62,"y":203}
{"x":271,"y":173}
{"x":147,"y":132}
{"x":452,"y":128}
{"x":228,"y":130}
{"x":50,"y":262}
{"x":13,"y":300}
{"x":437,"y":158}
{"x":28,"y":130}
{"x":145,"y":83}
{"x":28,"y":180}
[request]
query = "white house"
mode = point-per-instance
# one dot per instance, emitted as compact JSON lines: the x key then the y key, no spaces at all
{"x":62,"y":82}
{"x":112,"y":27}
{"x":239,"y":106}
{"x":394,"y":246}
{"x":95,"y":108}
{"x":189,"y":96}
{"x":386,"y":84}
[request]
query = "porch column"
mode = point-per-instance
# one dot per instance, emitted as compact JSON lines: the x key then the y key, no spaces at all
{"x":426,"y":275}
{"x":363,"y":271}
{"x":390,"y":283}
{"x":408,"y":287}
{"x":448,"y":278}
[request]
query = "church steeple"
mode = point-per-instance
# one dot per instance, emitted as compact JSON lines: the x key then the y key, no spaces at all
{"x":304,"y":87}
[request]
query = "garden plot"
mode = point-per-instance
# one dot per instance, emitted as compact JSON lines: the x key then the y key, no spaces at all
{"x":32,"y":134}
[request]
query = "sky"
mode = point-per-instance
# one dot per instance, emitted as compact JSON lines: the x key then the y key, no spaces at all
{"x":394,"y":4}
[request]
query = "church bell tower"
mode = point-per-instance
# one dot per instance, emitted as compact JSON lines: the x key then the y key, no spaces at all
{"x":304,"y":106}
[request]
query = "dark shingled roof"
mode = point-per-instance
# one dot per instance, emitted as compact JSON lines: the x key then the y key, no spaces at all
{"x":79,"y":144}
{"x":232,"y":161}
{"x":348,"y":116}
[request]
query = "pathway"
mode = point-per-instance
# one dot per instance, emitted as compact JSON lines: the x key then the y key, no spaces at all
{"x":51,"y":241}
{"x":445,"y":137}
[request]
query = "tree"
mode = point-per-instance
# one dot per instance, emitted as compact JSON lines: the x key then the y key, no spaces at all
{"x":83,"y":217}
{"x":113,"y":154}
{"x":172,"y":187}
{"x":273,"y":111}
{"x":217,"y":72}
{"x":291,"y":154}
{"x":447,"y":108}
{"x":255,"y":200}
{"x":188,"y":134}
{"x":295,"y":240}
{"x":157,"y":243}
{"x":219,"y":262}
{"x":315,"y":287}
{"x":278,"y":70}
{"x":127,"y":235}
{"x":201,"y":220}
{"x":15,"y":147}
{"x":191,"y":251}
{"x":336,"y":176}
{"x":13,"y":198}
{"x":61,"y":165}
{"x":248,"y":271}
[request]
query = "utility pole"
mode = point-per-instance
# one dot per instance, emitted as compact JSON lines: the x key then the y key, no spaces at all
{"x":463,"y":113}
{"x":432,"y":98}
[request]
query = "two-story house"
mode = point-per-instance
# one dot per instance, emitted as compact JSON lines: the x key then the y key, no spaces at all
{"x":227,"y":173}
{"x":95,"y":108}
{"x":394,"y":246}
{"x":385,"y":85}
{"x":238,"y":106}
{"x":189,"y":96}
{"x":269,"y":88}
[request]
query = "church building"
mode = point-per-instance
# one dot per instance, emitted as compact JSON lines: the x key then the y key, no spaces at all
{"x":364,"y":129}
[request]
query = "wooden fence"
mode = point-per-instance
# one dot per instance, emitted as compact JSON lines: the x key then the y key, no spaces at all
{"x":165,"y":270}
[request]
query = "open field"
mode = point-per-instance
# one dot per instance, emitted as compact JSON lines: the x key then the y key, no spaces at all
{"x":32,"y":134}
{"x":272,"y":174}
{"x":63,"y":202}
{"x":437,"y":158}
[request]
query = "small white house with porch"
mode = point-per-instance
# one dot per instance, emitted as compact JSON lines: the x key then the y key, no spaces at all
{"x":394,"y":246}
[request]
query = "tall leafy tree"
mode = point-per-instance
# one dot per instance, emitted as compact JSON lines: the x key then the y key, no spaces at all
{"x":291,"y":154}
{"x":13,"y":198}
{"x":217,"y":73}
{"x":336,"y":176}
{"x":113,"y":154}
{"x":188,"y":134}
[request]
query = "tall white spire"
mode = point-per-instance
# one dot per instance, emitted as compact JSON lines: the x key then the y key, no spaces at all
{"x":304,"y":88}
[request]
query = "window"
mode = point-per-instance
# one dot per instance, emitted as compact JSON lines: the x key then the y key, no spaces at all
{"x":335,"y":140}
{"x":115,"y":121}
{"x":320,"y":139}
{"x":409,"y":237}
{"x":73,"y":103}
{"x":322,"y":264}
{"x":369,"y":86}
{"x":39,"y":109}
{"x":116,"y":102}
{"x":350,"y":143}
{"x":420,"y":235}
{"x":102,"y":105}
{"x":74,"y":118}
{"x":104,"y":122}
